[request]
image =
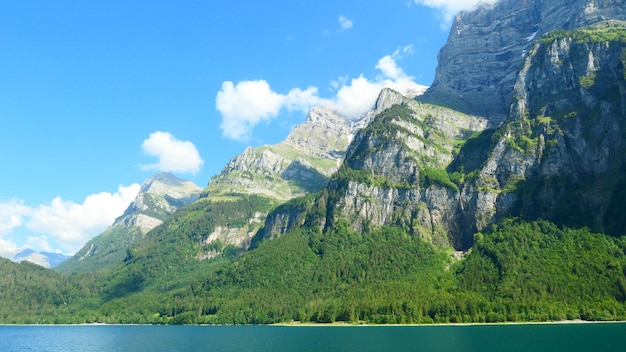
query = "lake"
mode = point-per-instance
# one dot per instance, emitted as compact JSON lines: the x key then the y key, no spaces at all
{"x":530,"y":337}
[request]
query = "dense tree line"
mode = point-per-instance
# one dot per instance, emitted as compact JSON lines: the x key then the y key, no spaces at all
{"x":516,"y":271}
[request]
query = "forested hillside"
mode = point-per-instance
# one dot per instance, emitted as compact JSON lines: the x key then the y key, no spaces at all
{"x":516,"y":272}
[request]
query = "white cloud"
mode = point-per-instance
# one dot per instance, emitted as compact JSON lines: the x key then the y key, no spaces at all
{"x":65,"y":223}
{"x":174,"y":155}
{"x":12,"y":215}
{"x":359,"y":97}
{"x":345,"y":23}
{"x":39,"y":242}
{"x":244,"y":105}
{"x":248,"y":103}
{"x":387,"y":65}
{"x":8,"y":249}
{"x":303,"y":100}
{"x":71,"y":224}
{"x":449,"y":8}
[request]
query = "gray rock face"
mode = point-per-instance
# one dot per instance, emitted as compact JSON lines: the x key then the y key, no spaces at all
{"x":391,"y":174}
{"x":158,"y":198}
{"x":486,"y":48}
{"x":299,"y":165}
{"x":571,"y":101}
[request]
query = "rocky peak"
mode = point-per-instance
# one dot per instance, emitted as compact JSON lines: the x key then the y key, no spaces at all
{"x":159,"y":196}
{"x":165,"y":183}
{"x":486,"y":48}
{"x":387,"y":98}
{"x":301,"y":164}
{"x":324,"y":133}
{"x":45,"y":259}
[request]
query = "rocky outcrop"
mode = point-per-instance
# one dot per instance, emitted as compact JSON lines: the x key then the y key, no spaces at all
{"x":486,"y":48}
{"x":45,"y":259}
{"x":569,"y":120}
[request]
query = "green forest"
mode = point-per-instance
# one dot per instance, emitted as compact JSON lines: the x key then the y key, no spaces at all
{"x":516,"y":272}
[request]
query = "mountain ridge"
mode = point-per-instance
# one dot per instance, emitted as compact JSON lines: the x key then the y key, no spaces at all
{"x":48,"y":260}
{"x":159,"y":197}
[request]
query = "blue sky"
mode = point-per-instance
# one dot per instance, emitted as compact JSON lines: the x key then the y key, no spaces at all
{"x":96,"y":96}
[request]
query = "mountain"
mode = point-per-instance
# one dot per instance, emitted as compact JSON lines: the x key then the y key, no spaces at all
{"x":478,"y":66}
{"x":494,"y":197}
{"x":394,"y":173}
{"x":301,"y":164}
{"x":45,"y":259}
{"x":434,"y":173}
{"x":559,"y":155}
{"x":158,"y":198}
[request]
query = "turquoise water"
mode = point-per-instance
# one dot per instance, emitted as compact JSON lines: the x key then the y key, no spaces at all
{"x":535,"y":338}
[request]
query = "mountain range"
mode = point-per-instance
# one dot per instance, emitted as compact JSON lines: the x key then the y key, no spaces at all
{"x":497,"y":195}
{"x":45,"y":259}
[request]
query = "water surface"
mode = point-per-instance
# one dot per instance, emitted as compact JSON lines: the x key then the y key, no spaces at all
{"x":531,"y":337}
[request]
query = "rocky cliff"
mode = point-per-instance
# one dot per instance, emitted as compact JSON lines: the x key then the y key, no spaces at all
{"x":394,"y":173}
{"x":559,"y":155}
{"x":158,"y":198}
{"x":486,"y":48}
{"x":566,"y":137}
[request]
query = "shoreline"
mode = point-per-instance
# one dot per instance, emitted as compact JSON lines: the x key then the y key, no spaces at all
{"x":357,"y":324}
{"x":347,"y":324}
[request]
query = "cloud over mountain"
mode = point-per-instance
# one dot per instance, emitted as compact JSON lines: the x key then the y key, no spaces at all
{"x":449,"y":8}
{"x":247,"y":103}
{"x":66,"y":223}
{"x":174,"y":155}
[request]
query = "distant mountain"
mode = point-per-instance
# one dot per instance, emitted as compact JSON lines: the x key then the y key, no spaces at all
{"x":45,"y":259}
{"x":159,"y":196}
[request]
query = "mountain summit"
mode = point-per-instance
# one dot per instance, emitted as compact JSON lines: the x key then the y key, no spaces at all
{"x":301,"y":164}
{"x":159,"y":196}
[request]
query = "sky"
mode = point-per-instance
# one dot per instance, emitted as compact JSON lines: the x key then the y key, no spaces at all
{"x":97,"y":96}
